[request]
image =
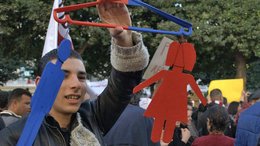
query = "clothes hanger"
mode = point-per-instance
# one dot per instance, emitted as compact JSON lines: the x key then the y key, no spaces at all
{"x":186,"y":27}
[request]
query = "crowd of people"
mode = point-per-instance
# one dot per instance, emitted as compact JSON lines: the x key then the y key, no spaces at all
{"x":112,"y":119}
{"x":211,"y":125}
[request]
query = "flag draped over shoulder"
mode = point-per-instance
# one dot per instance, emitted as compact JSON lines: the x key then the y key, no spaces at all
{"x":56,"y":32}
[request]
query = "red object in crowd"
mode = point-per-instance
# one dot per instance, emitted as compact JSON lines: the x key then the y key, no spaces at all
{"x":169,"y":102}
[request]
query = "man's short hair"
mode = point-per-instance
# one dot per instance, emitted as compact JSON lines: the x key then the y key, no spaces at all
{"x":225,"y":101}
{"x":17,"y":93}
{"x":215,"y":94}
{"x":218,"y":118}
{"x":53,"y":55}
{"x":254,"y":96}
{"x":232,"y":108}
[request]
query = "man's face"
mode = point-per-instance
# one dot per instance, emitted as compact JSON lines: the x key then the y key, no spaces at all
{"x":23,"y":106}
{"x":72,"y":89}
{"x":189,"y":114}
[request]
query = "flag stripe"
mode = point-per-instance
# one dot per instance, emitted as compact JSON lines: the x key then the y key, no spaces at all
{"x":56,"y":32}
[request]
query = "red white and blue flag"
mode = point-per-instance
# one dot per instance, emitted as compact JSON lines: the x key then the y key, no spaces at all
{"x":56,"y":32}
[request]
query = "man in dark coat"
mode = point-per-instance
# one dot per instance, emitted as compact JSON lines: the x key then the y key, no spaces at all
{"x":216,"y":99}
{"x":131,"y":129}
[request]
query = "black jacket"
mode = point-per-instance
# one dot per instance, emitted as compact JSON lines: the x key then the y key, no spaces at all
{"x":2,"y":124}
{"x":98,"y":116}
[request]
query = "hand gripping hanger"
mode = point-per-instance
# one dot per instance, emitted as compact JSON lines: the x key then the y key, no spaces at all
{"x":185,"y":25}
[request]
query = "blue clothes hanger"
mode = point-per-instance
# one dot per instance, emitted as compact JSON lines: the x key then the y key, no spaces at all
{"x":186,"y":27}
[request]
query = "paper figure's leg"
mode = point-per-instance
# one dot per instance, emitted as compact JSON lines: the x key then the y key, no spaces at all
{"x":168,"y":131}
{"x":157,"y":129}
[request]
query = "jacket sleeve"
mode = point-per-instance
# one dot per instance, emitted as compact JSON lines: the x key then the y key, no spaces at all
{"x":2,"y":124}
{"x":9,"y":136}
{"x":128,"y":64}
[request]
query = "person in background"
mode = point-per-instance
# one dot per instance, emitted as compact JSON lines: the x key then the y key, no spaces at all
{"x":248,"y":127}
{"x":217,"y":120}
{"x":3,"y":100}
{"x":3,"y":106}
{"x":131,"y":129}
{"x":249,"y":100}
{"x":216,"y":99}
{"x":225,"y":102}
{"x":184,"y":134}
{"x":232,"y":111}
{"x":18,"y":106}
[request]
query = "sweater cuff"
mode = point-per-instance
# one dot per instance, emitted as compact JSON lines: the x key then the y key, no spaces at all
{"x":130,"y":59}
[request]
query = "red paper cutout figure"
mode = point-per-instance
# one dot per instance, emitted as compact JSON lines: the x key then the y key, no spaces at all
{"x":169,"y":103}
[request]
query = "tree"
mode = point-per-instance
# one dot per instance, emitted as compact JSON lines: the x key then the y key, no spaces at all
{"x":253,"y":72}
{"x":226,"y":33}
{"x":23,"y":27}
{"x":7,"y":70}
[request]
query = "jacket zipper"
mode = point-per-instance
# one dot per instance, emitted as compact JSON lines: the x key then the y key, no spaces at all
{"x":63,"y":139}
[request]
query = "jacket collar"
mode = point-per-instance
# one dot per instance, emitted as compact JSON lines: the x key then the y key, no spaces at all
{"x":11,"y":113}
{"x":80,"y":135}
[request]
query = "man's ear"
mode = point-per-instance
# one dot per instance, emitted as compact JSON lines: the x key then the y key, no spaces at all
{"x":14,"y":104}
{"x":37,"y":80}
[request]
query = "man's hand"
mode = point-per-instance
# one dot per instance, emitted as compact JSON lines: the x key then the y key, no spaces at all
{"x":185,"y":134}
{"x":116,"y":13}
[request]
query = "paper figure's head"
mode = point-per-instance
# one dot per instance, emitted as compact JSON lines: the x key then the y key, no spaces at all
{"x":53,"y":54}
{"x":181,"y":55}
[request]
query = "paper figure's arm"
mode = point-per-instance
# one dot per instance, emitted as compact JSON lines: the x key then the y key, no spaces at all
{"x":196,"y":89}
{"x":149,"y":81}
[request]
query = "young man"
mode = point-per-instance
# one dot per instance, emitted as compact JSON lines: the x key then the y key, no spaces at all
{"x":64,"y":125}
{"x":18,"y":106}
{"x":216,"y":98}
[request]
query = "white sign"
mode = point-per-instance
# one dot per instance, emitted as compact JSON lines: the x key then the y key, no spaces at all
{"x":158,"y":61}
{"x":98,"y":86}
